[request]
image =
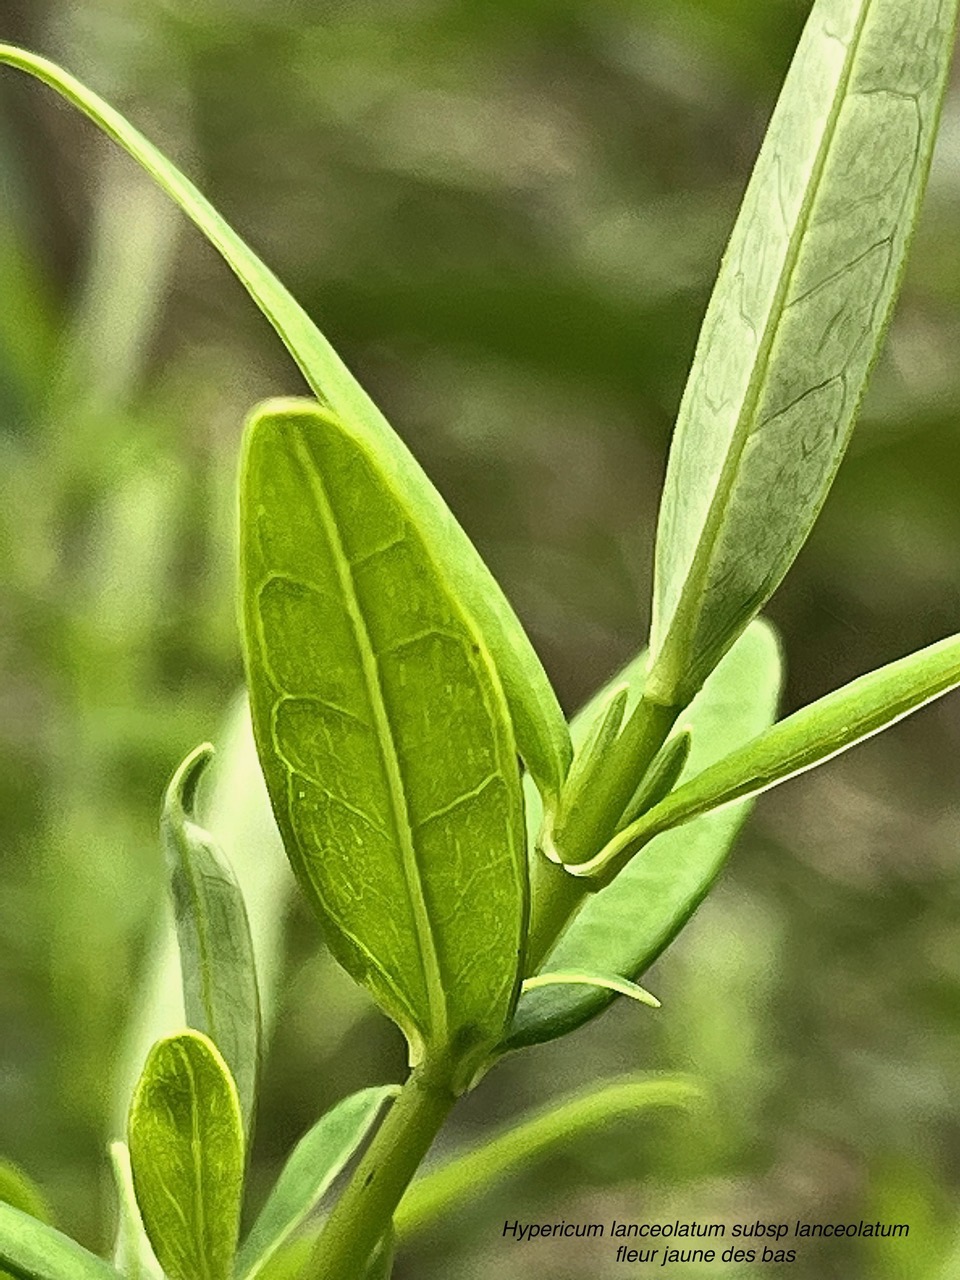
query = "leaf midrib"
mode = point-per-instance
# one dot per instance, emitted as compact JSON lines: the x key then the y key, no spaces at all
{"x":691,"y":595}
{"x":426,"y":944}
{"x":196,"y":1152}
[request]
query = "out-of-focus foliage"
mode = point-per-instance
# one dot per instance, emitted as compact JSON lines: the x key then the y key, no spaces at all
{"x":507,"y":217}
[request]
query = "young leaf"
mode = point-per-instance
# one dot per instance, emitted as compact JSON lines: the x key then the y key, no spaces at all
{"x":18,"y":1190}
{"x":187,"y":1156}
{"x":660,"y":779}
{"x":796,"y":318}
{"x":383,"y":734}
{"x":316,"y":1160}
{"x":606,"y":982}
{"x":216,"y":954}
{"x":530,"y":1138}
{"x":588,"y":758}
{"x":541,"y":732}
{"x":132,"y":1255}
{"x":235,"y":809}
{"x":22,"y":1192}
{"x":800,"y":742}
{"x":380,"y":1266}
{"x":31,"y":1250}
{"x":659,"y":891}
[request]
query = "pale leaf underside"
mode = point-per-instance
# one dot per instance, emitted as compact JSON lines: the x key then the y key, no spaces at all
{"x":795,"y":320}
{"x":383,"y":734}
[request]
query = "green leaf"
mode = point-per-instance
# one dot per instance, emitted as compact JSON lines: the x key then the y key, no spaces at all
{"x":800,"y":742}
{"x":22,"y":1193}
{"x":605,"y":982}
{"x":587,"y":760}
{"x":30,"y":1250}
{"x":383,"y":735}
{"x":796,"y":318}
{"x":187,"y":1155}
{"x":317,"y":1159}
{"x":132,"y":1253}
{"x":541,"y":732}
{"x":622,"y":929}
{"x":529,"y":1139}
{"x":380,"y":1266}
{"x":216,"y":954}
{"x":17,"y":1189}
{"x":662,"y":776}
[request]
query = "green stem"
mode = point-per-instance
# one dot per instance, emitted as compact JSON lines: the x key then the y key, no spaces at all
{"x":557,"y":895}
{"x":532,"y":1137}
{"x":594,"y":821}
{"x":364,"y":1212}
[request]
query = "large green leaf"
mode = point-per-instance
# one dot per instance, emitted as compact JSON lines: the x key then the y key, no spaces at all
{"x":532,"y":1137}
{"x":383,"y":734}
{"x":622,"y":929}
{"x":187,"y":1157}
{"x":541,"y":732}
{"x":315,"y":1161}
{"x":799,"y":309}
{"x":216,"y":954}
{"x":800,"y":742}
{"x":30,"y":1250}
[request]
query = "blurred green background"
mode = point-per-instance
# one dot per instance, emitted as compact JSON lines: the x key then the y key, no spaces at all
{"x":507,"y":217}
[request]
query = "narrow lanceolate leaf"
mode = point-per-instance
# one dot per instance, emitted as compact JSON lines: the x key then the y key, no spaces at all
{"x":384,"y":737}
{"x":796,"y":318}
{"x":187,"y":1156}
{"x":658,"y":892}
{"x":30,"y":1250}
{"x":132,"y":1254}
{"x":541,"y":731}
{"x":216,"y":954}
{"x":533,"y":1137}
{"x":315,"y":1161}
{"x":798,"y":743}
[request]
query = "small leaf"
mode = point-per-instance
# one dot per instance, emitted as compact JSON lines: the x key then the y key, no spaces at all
{"x":660,"y":779}
{"x":317,"y":1159}
{"x":216,"y":954}
{"x":31,"y":1250}
{"x":587,"y":761}
{"x":530,"y":1138}
{"x":799,"y":309}
{"x":383,"y":734}
{"x":541,"y":732}
{"x":17,"y":1189}
{"x":22,"y":1193}
{"x":132,"y":1253}
{"x":606,"y":982}
{"x":380,"y":1266}
{"x":800,"y":742}
{"x":187,"y":1155}
{"x":659,"y":891}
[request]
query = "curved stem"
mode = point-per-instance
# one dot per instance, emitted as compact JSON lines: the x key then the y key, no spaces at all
{"x":364,"y":1212}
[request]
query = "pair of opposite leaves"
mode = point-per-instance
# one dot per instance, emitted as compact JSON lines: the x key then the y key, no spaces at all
{"x":794,"y":323}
